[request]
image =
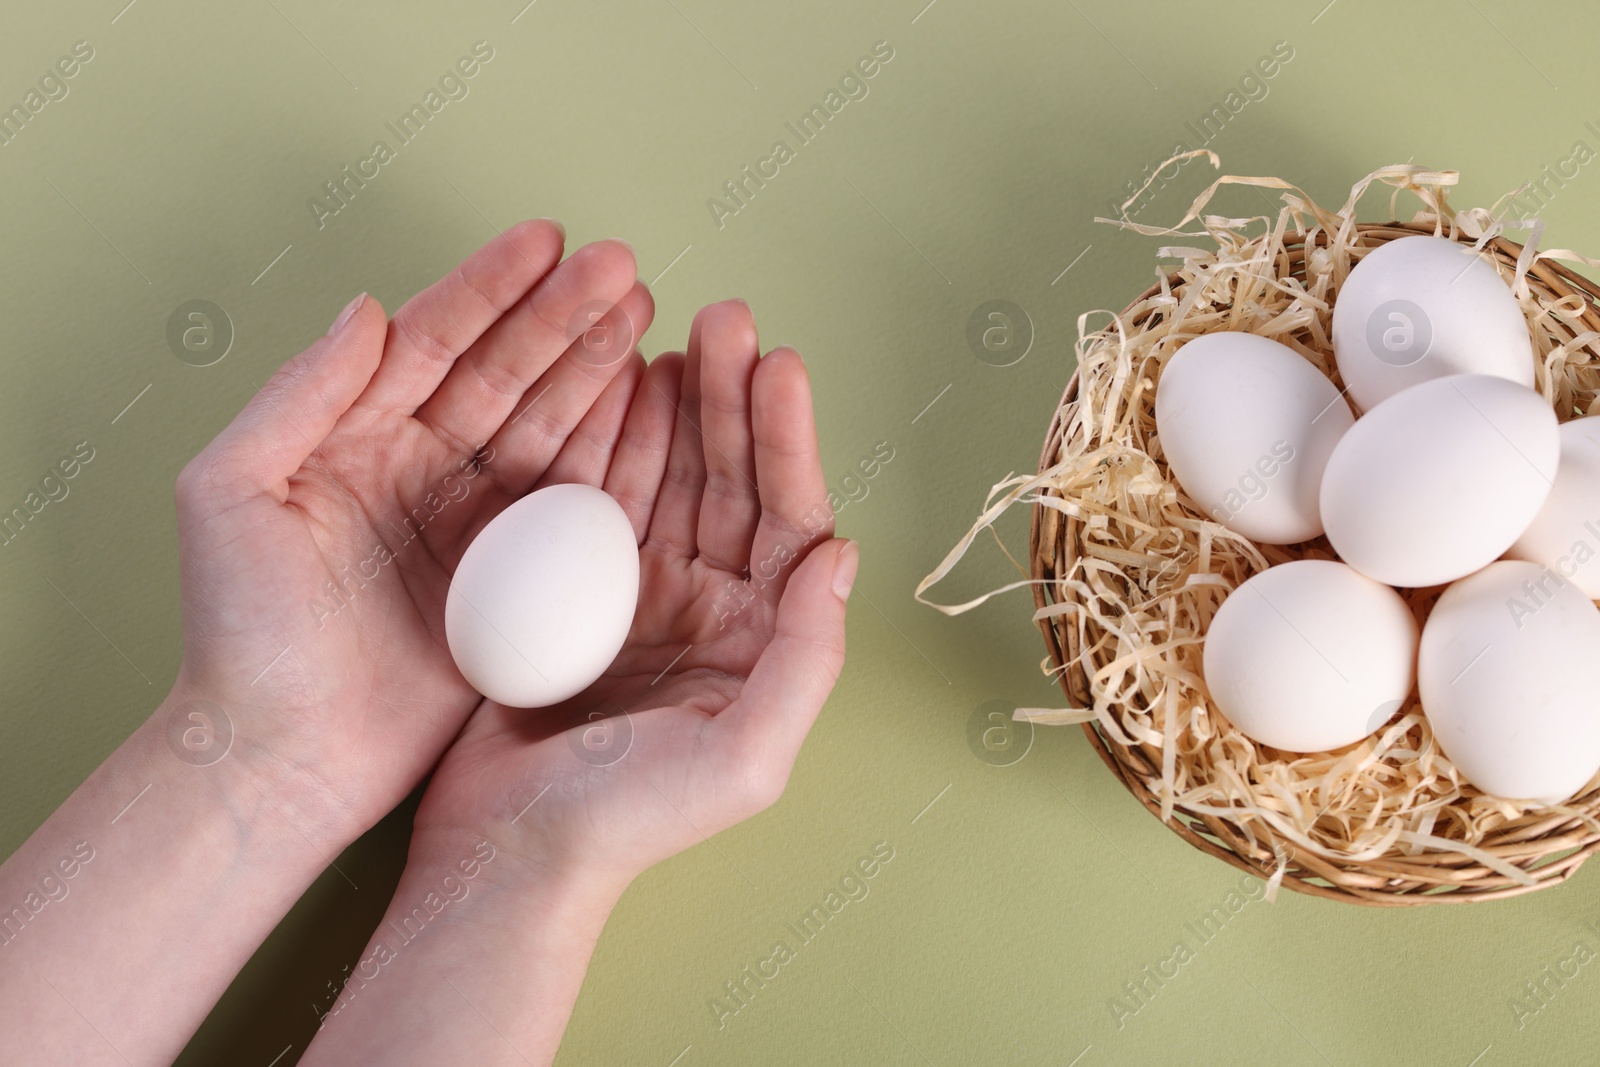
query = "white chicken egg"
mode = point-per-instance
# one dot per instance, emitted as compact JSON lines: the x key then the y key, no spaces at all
{"x":1439,"y":480}
{"x":543,"y":598}
{"x":1247,"y":424}
{"x":1310,"y":655}
{"x":1565,"y":535}
{"x":1426,"y":307}
{"x":1510,"y":681}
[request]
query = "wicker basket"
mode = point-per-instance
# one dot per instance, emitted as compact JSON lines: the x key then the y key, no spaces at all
{"x":1548,"y":846}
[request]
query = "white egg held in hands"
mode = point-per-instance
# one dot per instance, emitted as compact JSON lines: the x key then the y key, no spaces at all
{"x":543,"y":598}
{"x":1246,"y":424}
{"x":1425,"y":307}
{"x":1510,"y":681}
{"x":1565,"y":535}
{"x":1439,"y":480}
{"x":1310,"y":655}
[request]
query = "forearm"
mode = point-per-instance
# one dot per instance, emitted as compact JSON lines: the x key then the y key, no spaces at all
{"x":479,"y":960}
{"x":124,"y":917}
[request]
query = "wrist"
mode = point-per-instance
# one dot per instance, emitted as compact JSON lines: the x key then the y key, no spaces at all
{"x":470,"y":921}
{"x":161,"y":872}
{"x":513,"y":884}
{"x":193,"y":742}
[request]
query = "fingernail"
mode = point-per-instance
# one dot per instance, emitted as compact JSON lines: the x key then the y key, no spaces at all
{"x":344,"y":316}
{"x":844,"y":570}
{"x":626,"y":244}
{"x":554,"y":222}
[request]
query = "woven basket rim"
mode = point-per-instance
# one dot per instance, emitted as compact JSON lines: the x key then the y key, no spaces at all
{"x":1300,"y":870}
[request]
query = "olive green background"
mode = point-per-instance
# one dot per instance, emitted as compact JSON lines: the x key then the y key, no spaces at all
{"x":1020,"y":902}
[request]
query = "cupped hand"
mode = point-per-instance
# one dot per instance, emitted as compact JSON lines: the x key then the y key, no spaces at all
{"x":319,"y":530}
{"x":739,"y":634}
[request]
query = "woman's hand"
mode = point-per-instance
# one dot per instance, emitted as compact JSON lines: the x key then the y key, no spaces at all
{"x":316,"y":536}
{"x":737,"y":640}
{"x":536,"y":819}
{"x":318,"y":532}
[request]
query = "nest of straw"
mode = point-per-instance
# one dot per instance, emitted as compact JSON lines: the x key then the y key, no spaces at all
{"x":1127,"y":571}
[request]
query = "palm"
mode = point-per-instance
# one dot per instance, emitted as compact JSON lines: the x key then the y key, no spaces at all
{"x":332,"y":628}
{"x":719,"y":472}
{"x":319,"y":532}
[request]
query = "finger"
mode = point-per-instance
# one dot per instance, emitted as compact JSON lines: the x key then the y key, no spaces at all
{"x":485,"y":385}
{"x":764,"y":727}
{"x":586,"y":455}
{"x":730,"y":507}
{"x":434,"y":327}
{"x":296,"y":409}
{"x":640,"y":462}
{"x":677,"y":511}
{"x":795,"y":512}
{"x":554,"y":405}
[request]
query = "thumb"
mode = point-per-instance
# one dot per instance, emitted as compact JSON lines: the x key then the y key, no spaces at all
{"x":294,"y":411}
{"x":786,"y":689}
